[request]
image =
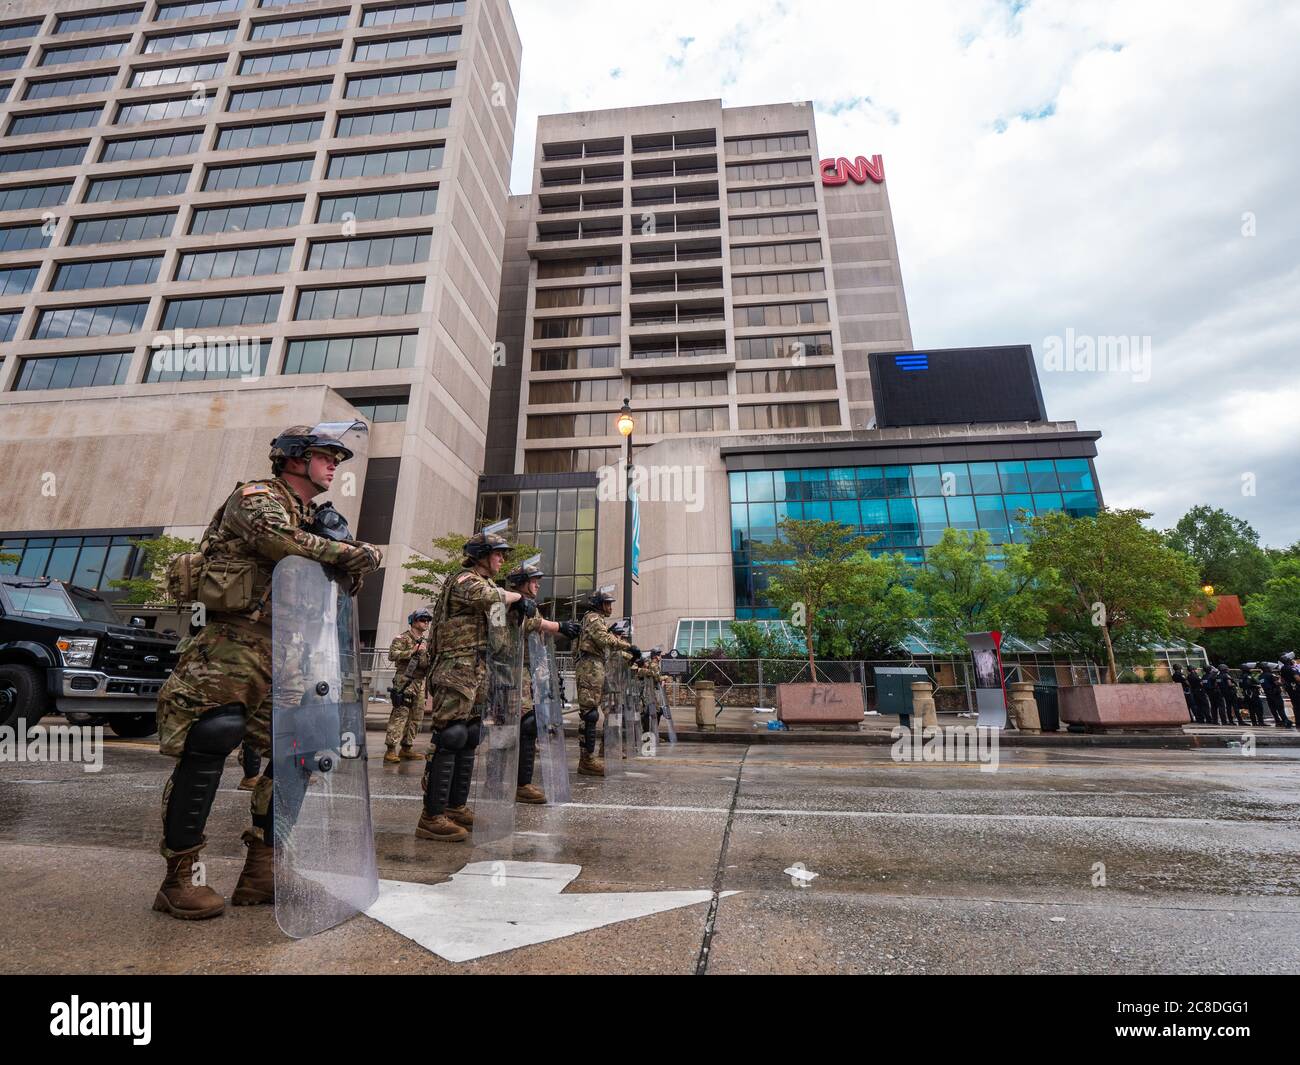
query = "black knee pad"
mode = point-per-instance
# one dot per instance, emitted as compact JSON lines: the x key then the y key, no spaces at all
{"x":528,"y":725}
{"x":590,"y":714}
{"x":218,"y":732}
{"x":453,"y":738}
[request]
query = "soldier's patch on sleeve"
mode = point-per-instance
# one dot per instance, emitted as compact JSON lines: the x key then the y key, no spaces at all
{"x":256,"y":489}
{"x":463,"y":577}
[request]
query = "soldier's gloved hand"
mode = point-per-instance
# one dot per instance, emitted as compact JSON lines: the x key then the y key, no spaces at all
{"x":361,"y":558}
{"x":570,"y":630}
{"x":528,"y":607}
{"x":636,"y":652}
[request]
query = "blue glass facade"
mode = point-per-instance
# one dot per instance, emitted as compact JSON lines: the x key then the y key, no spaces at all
{"x":908,"y":507}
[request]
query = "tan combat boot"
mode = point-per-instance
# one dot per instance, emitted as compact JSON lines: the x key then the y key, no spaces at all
{"x":529,"y":793}
{"x":591,"y":766}
{"x":391,"y":757}
{"x":256,"y":885}
{"x":180,"y":897}
{"x":461,"y":815}
{"x":439,"y":828}
{"x":409,"y":755}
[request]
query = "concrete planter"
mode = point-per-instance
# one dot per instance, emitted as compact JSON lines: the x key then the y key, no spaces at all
{"x":1021,"y":707}
{"x":1099,"y":707}
{"x":837,"y":706}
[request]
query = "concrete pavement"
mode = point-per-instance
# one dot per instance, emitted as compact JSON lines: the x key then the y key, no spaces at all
{"x":921,"y":867}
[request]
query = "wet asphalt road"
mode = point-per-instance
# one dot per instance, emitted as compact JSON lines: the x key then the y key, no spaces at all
{"x":929,"y":867}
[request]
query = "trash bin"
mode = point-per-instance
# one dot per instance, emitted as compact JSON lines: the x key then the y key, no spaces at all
{"x":1049,"y":715}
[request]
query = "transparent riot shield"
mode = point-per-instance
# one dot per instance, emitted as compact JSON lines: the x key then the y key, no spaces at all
{"x":496,"y":766}
{"x":631,"y":712}
{"x":611,"y":705}
{"x":322,"y":834}
{"x":548,"y":709}
{"x":666,"y":710}
{"x":645,"y":709}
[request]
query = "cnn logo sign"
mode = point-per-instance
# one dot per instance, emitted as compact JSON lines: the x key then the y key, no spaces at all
{"x":840,"y":171}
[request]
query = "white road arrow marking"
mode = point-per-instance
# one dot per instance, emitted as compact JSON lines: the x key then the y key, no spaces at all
{"x":490,"y":907}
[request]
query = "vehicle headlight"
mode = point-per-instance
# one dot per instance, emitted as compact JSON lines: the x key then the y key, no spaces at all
{"x":77,"y":650}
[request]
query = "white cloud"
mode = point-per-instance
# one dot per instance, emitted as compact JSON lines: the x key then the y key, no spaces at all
{"x":1117,"y":213}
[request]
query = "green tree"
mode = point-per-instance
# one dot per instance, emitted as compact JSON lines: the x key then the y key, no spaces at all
{"x":878,"y":610}
{"x":425,"y":575}
{"x":810,"y":571}
{"x":1273,"y":615}
{"x":9,"y":559}
{"x":1225,"y":549}
{"x":749,"y":639}
{"x":1121,"y":585}
{"x":151,"y":586}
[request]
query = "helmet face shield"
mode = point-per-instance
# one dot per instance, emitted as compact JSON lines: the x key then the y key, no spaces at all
{"x":347,"y":437}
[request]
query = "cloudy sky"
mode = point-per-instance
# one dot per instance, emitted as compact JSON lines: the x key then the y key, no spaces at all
{"x":1056,"y":170}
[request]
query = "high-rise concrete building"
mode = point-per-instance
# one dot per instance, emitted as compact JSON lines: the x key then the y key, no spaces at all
{"x":693,"y":258}
{"x":222,"y":217}
{"x":708,"y":264}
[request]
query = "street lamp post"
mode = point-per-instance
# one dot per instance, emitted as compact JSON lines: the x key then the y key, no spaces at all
{"x":625,"y":427}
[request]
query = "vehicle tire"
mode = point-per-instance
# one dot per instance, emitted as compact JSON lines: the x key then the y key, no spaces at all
{"x":133,"y":726}
{"x":22,"y":696}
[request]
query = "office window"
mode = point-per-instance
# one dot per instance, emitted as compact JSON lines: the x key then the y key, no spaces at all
{"x":23,"y":238}
{"x":195,"y":8}
{"x":9,"y":324}
{"x":234,"y":262}
{"x":773,"y":225}
{"x":600,"y":390}
{"x":74,"y":86}
{"x":4,"y":91}
{"x":808,"y":251}
{"x":806,"y":345}
{"x":789,"y":415}
{"x":777,"y":284}
{"x":596,"y":295}
{"x":369,"y":251}
{"x":301,"y":59}
{"x":753,"y":145}
{"x":400,"y":47}
{"x":157,"y":110}
{"x":122,"y":228}
{"x":571,"y":460}
{"x":107,"y":319}
{"x":365,"y":86}
{"x":97,"y":20}
{"x":699,"y":386}
{"x":161,"y":147}
{"x":107,"y":273}
{"x":42,"y":158}
{"x":16,"y":31}
{"x":382,"y":408}
{"x":782,"y":314}
{"x":309,"y":92}
{"x":778,"y":197}
{"x":595,"y":326}
{"x":392,"y":16}
{"x":579,"y":268}
{"x":598,"y":358}
{"x":86,"y":561}
{"x":370,"y":207}
{"x":761,"y":171}
{"x":277,"y":215}
{"x":200,"y":70}
{"x":73,"y":371}
{"x":54,"y":121}
{"x":808,"y":379}
{"x":168,"y":183}
{"x":406,"y":120}
{"x":256,"y":309}
{"x":17,"y":280}
{"x":369,"y":301}
{"x":377,"y":164}
{"x":25,"y":197}
{"x":78,"y":53}
{"x":295,"y":132}
{"x":199,"y":38}
{"x":12,"y":60}
{"x":257,"y":175}
{"x":298,"y":27}
{"x":394,"y":351}
{"x":235,"y":357}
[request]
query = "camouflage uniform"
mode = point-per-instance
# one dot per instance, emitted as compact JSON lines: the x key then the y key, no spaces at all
{"x":458,"y":675}
{"x":229,"y":660}
{"x":411,"y":654}
{"x":595,"y":642}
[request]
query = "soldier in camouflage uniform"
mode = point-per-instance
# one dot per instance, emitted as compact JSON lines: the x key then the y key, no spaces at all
{"x":220,"y":691}
{"x":410,"y":652}
{"x":458,"y":684}
{"x":594,"y":642}
{"x":652,"y":675}
{"x":527,"y":581}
